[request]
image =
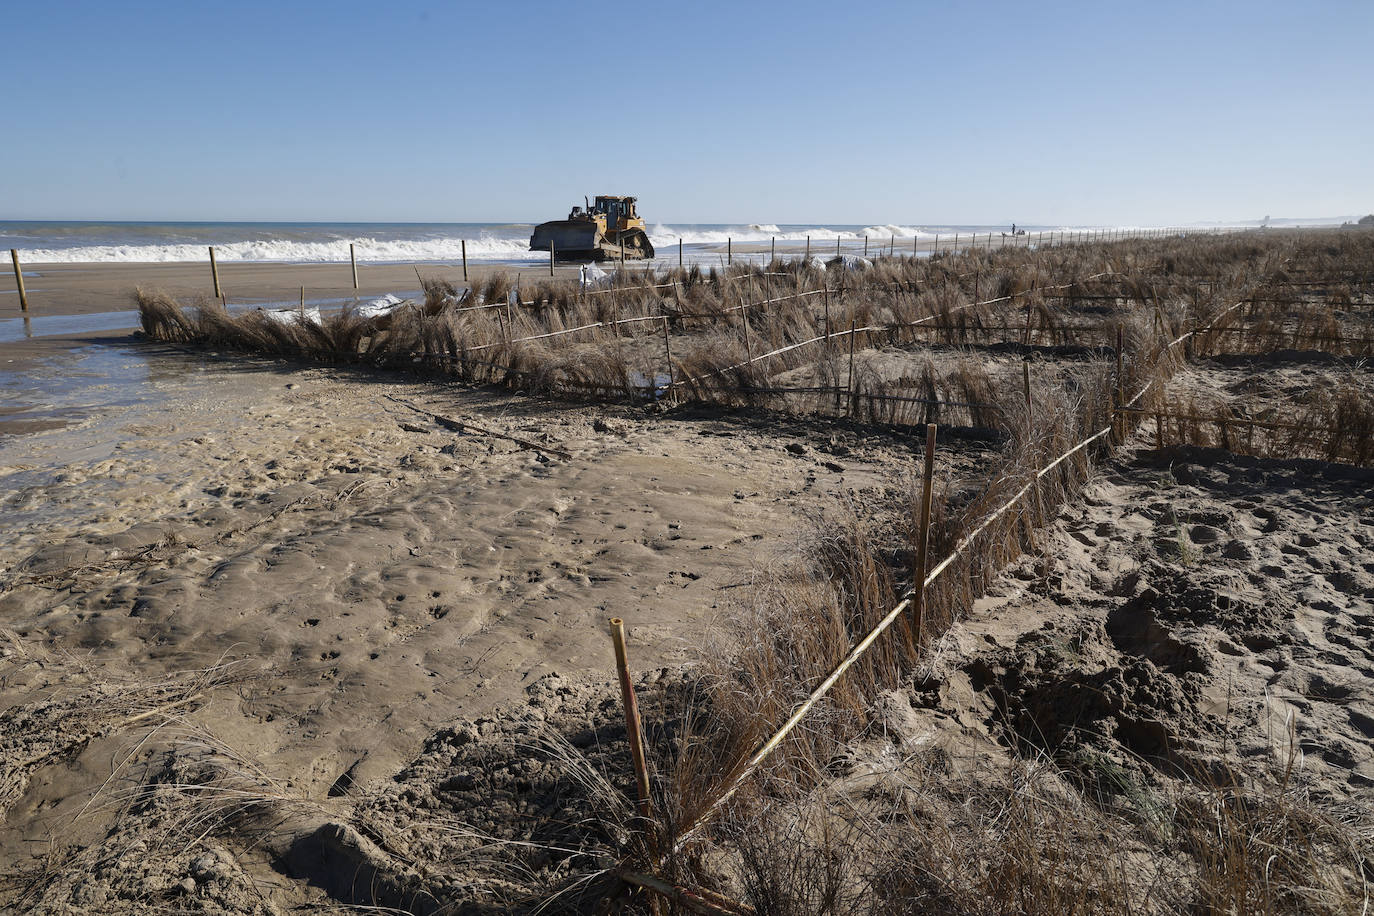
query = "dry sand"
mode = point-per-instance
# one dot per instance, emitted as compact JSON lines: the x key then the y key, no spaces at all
{"x":387,"y":574}
{"x":1194,"y":597}
{"x":1190,"y":614}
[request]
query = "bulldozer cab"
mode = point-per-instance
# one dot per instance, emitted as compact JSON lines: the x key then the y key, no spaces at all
{"x":618,"y":210}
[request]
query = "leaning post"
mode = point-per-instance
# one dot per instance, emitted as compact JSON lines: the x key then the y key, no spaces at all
{"x":19,"y":279}
{"x":633,"y":729}
{"x":353,"y":258}
{"x":748,"y":342}
{"x":214,"y":273}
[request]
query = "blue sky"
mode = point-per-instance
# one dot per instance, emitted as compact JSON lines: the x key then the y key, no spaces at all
{"x":870,"y":113}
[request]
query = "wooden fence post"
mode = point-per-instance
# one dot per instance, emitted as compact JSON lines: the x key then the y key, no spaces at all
{"x":1025,"y":385}
{"x":633,"y":731}
{"x":808,"y":248}
{"x":923,"y":542}
{"x":668,"y":347}
{"x":748,"y":343}
{"x":1120,"y":387}
{"x":550,"y":257}
{"x":1026,"y":334}
{"x":214,"y":273}
{"x":19,"y":279}
{"x":353,"y":257}
{"x":465,"y":260}
{"x":892,"y":246}
{"x":850,"y":385}
{"x":679,"y":252}
{"x":729,"y":250}
{"x":827,"y":319}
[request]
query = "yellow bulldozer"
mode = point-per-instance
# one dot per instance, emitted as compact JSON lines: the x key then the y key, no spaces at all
{"x":608,"y":229}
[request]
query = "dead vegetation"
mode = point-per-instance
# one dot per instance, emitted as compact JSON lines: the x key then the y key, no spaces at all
{"x":1037,"y":838}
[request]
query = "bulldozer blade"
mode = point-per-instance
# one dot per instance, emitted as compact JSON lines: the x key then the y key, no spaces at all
{"x":572,"y":240}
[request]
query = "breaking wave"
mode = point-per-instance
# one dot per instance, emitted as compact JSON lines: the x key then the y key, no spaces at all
{"x":665,"y":236}
{"x":368,"y":249}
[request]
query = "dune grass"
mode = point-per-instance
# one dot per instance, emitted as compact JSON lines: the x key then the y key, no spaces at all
{"x":1030,"y":841}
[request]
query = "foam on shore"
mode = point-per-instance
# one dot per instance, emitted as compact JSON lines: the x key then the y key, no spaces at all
{"x":663,"y":236}
{"x":368,"y":249}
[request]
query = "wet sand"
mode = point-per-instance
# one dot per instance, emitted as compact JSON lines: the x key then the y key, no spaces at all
{"x":89,"y":288}
{"x":80,"y":289}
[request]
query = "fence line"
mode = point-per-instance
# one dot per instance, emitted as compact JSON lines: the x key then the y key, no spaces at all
{"x":1220,"y":421}
{"x":858,"y":649}
{"x":889,"y":327}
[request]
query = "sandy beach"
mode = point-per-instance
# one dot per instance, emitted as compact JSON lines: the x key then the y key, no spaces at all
{"x":88,"y":288}
{"x":482,"y":460}
{"x":83,"y":288}
{"x":377,"y":573}
{"x":330,"y":619}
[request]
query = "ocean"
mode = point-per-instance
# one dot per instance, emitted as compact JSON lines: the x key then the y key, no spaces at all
{"x":42,"y":242}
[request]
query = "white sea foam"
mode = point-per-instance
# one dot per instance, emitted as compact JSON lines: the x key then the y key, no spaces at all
{"x":901,"y":232}
{"x":438,"y":249}
{"x":666,"y":236}
{"x":306,"y":243}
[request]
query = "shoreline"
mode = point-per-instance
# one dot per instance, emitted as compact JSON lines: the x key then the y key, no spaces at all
{"x":84,"y":288}
{"x":90,"y":287}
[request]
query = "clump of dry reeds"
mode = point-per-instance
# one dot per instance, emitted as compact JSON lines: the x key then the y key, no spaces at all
{"x":731,"y":330}
{"x":803,"y":619}
{"x":925,"y":838}
{"x":779,"y":337}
